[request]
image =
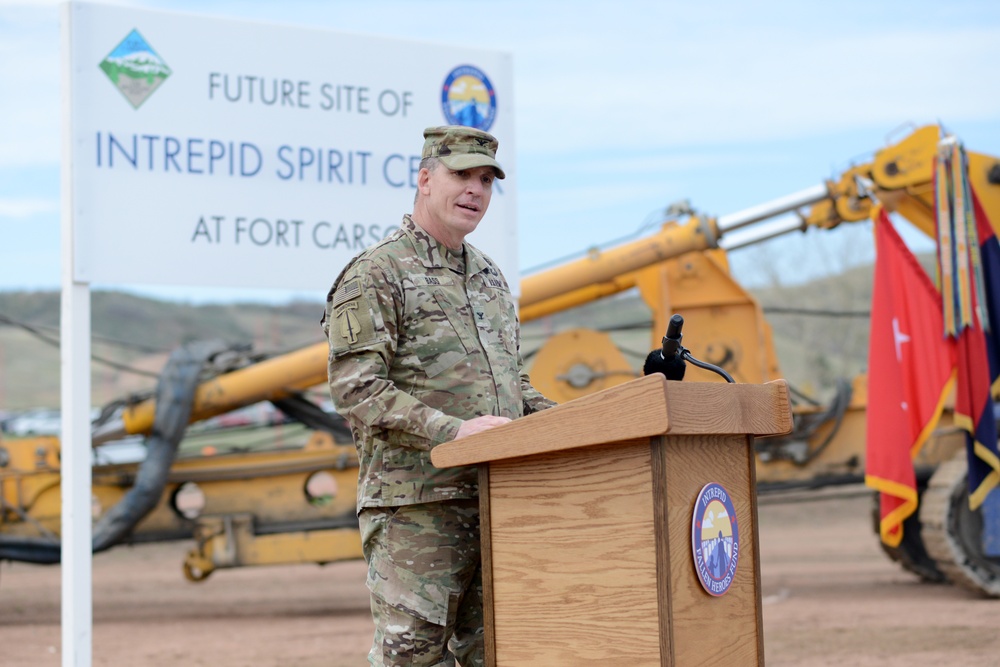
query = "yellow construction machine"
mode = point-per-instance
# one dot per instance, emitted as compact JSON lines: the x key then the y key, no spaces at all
{"x":681,"y":269}
{"x":295,"y":504}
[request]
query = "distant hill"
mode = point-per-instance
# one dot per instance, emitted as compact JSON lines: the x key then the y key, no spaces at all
{"x":135,"y":332}
{"x":814,"y":350}
{"x":138,"y":333}
{"x":820,"y":328}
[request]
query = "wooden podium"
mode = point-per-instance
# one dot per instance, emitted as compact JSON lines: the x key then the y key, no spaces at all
{"x":587,"y":513}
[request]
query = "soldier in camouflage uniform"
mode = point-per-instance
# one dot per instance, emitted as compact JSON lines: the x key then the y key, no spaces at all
{"x":424,"y":348}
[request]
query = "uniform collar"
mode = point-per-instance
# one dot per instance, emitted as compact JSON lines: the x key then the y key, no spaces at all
{"x":432,"y":253}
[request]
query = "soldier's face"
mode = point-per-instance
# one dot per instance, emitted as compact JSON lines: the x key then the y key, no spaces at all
{"x":455,"y":201}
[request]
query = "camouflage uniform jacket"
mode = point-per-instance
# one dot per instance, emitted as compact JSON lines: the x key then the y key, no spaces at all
{"x":421,"y":339}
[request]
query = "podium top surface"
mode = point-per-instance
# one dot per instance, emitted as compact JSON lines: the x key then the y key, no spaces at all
{"x":642,"y":408}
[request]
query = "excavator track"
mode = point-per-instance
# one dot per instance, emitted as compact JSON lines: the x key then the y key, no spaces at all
{"x":952,"y":532}
{"x":911,"y":554}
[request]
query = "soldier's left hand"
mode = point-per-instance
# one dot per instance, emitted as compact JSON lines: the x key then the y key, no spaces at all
{"x":479,"y":424}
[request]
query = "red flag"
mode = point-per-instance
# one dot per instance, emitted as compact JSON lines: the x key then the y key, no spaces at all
{"x":910,"y":372}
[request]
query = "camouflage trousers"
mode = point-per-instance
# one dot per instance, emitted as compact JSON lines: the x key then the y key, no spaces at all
{"x":426,"y":585}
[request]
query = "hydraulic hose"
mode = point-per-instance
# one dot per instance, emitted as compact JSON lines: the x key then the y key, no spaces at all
{"x":174,"y":398}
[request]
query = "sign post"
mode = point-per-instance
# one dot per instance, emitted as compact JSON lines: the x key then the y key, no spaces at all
{"x":74,"y":355}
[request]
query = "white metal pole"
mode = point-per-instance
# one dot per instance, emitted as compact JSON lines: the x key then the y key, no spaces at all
{"x":772,"y":208}
{"x":770,"y":230}
{"x":74,"y":354}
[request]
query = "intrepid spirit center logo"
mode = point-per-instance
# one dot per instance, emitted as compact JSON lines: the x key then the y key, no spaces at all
{"x":135,"y":68}
{"x":715,"y":539}
{"x":468,"y":98}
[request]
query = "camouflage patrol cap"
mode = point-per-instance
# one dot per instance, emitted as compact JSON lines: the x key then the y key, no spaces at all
{"x":459,"y":147}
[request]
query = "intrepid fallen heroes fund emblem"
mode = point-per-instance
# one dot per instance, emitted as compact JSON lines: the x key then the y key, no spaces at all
{"x":135,"y":68}
{"x":468,"y":98}
{"x":715,"y":539}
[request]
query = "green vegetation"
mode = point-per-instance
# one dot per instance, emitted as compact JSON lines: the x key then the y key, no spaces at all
{"x":813,"y":350}
{"x":114,"y":71}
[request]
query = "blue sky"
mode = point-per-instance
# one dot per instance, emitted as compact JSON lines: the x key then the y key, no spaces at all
{"x":621,"y":109}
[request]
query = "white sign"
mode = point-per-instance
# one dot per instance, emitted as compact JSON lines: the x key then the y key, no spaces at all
{"x":228,"y":153}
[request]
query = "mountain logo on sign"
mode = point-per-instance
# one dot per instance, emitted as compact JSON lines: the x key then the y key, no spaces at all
{"x":135,"y":68}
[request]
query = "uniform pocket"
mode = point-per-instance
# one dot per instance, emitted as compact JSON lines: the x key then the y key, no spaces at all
{"x":440,"y":340}
{"x":401,"y":584}
{"x":410,"y":592}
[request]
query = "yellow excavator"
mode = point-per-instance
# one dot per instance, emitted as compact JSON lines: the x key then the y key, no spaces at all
{"x":295,"y":503}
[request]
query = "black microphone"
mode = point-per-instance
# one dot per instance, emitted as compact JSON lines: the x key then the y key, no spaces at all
{"x":669,"y":359}
{"x":672,"y":341}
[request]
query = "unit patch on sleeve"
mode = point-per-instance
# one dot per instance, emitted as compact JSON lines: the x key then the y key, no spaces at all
{"x":352,"y":320}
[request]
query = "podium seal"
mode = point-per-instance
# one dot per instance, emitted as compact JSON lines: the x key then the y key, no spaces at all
{"x":715,"y":539}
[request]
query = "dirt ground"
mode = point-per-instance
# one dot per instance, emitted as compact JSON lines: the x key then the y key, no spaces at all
{"x":830,"y":598}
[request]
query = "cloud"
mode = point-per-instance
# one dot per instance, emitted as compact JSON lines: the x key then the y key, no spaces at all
{"x":645,"y":161}
{"x":29,"y":79}
{"x":662,"y":75}
{"x":762,"y":84}
{"x":15,"y":5}
{"x":25,"y":208}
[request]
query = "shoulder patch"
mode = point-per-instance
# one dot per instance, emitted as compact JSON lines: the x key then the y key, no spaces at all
{"x":351,"y":323}
{"x":349,"y":291}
